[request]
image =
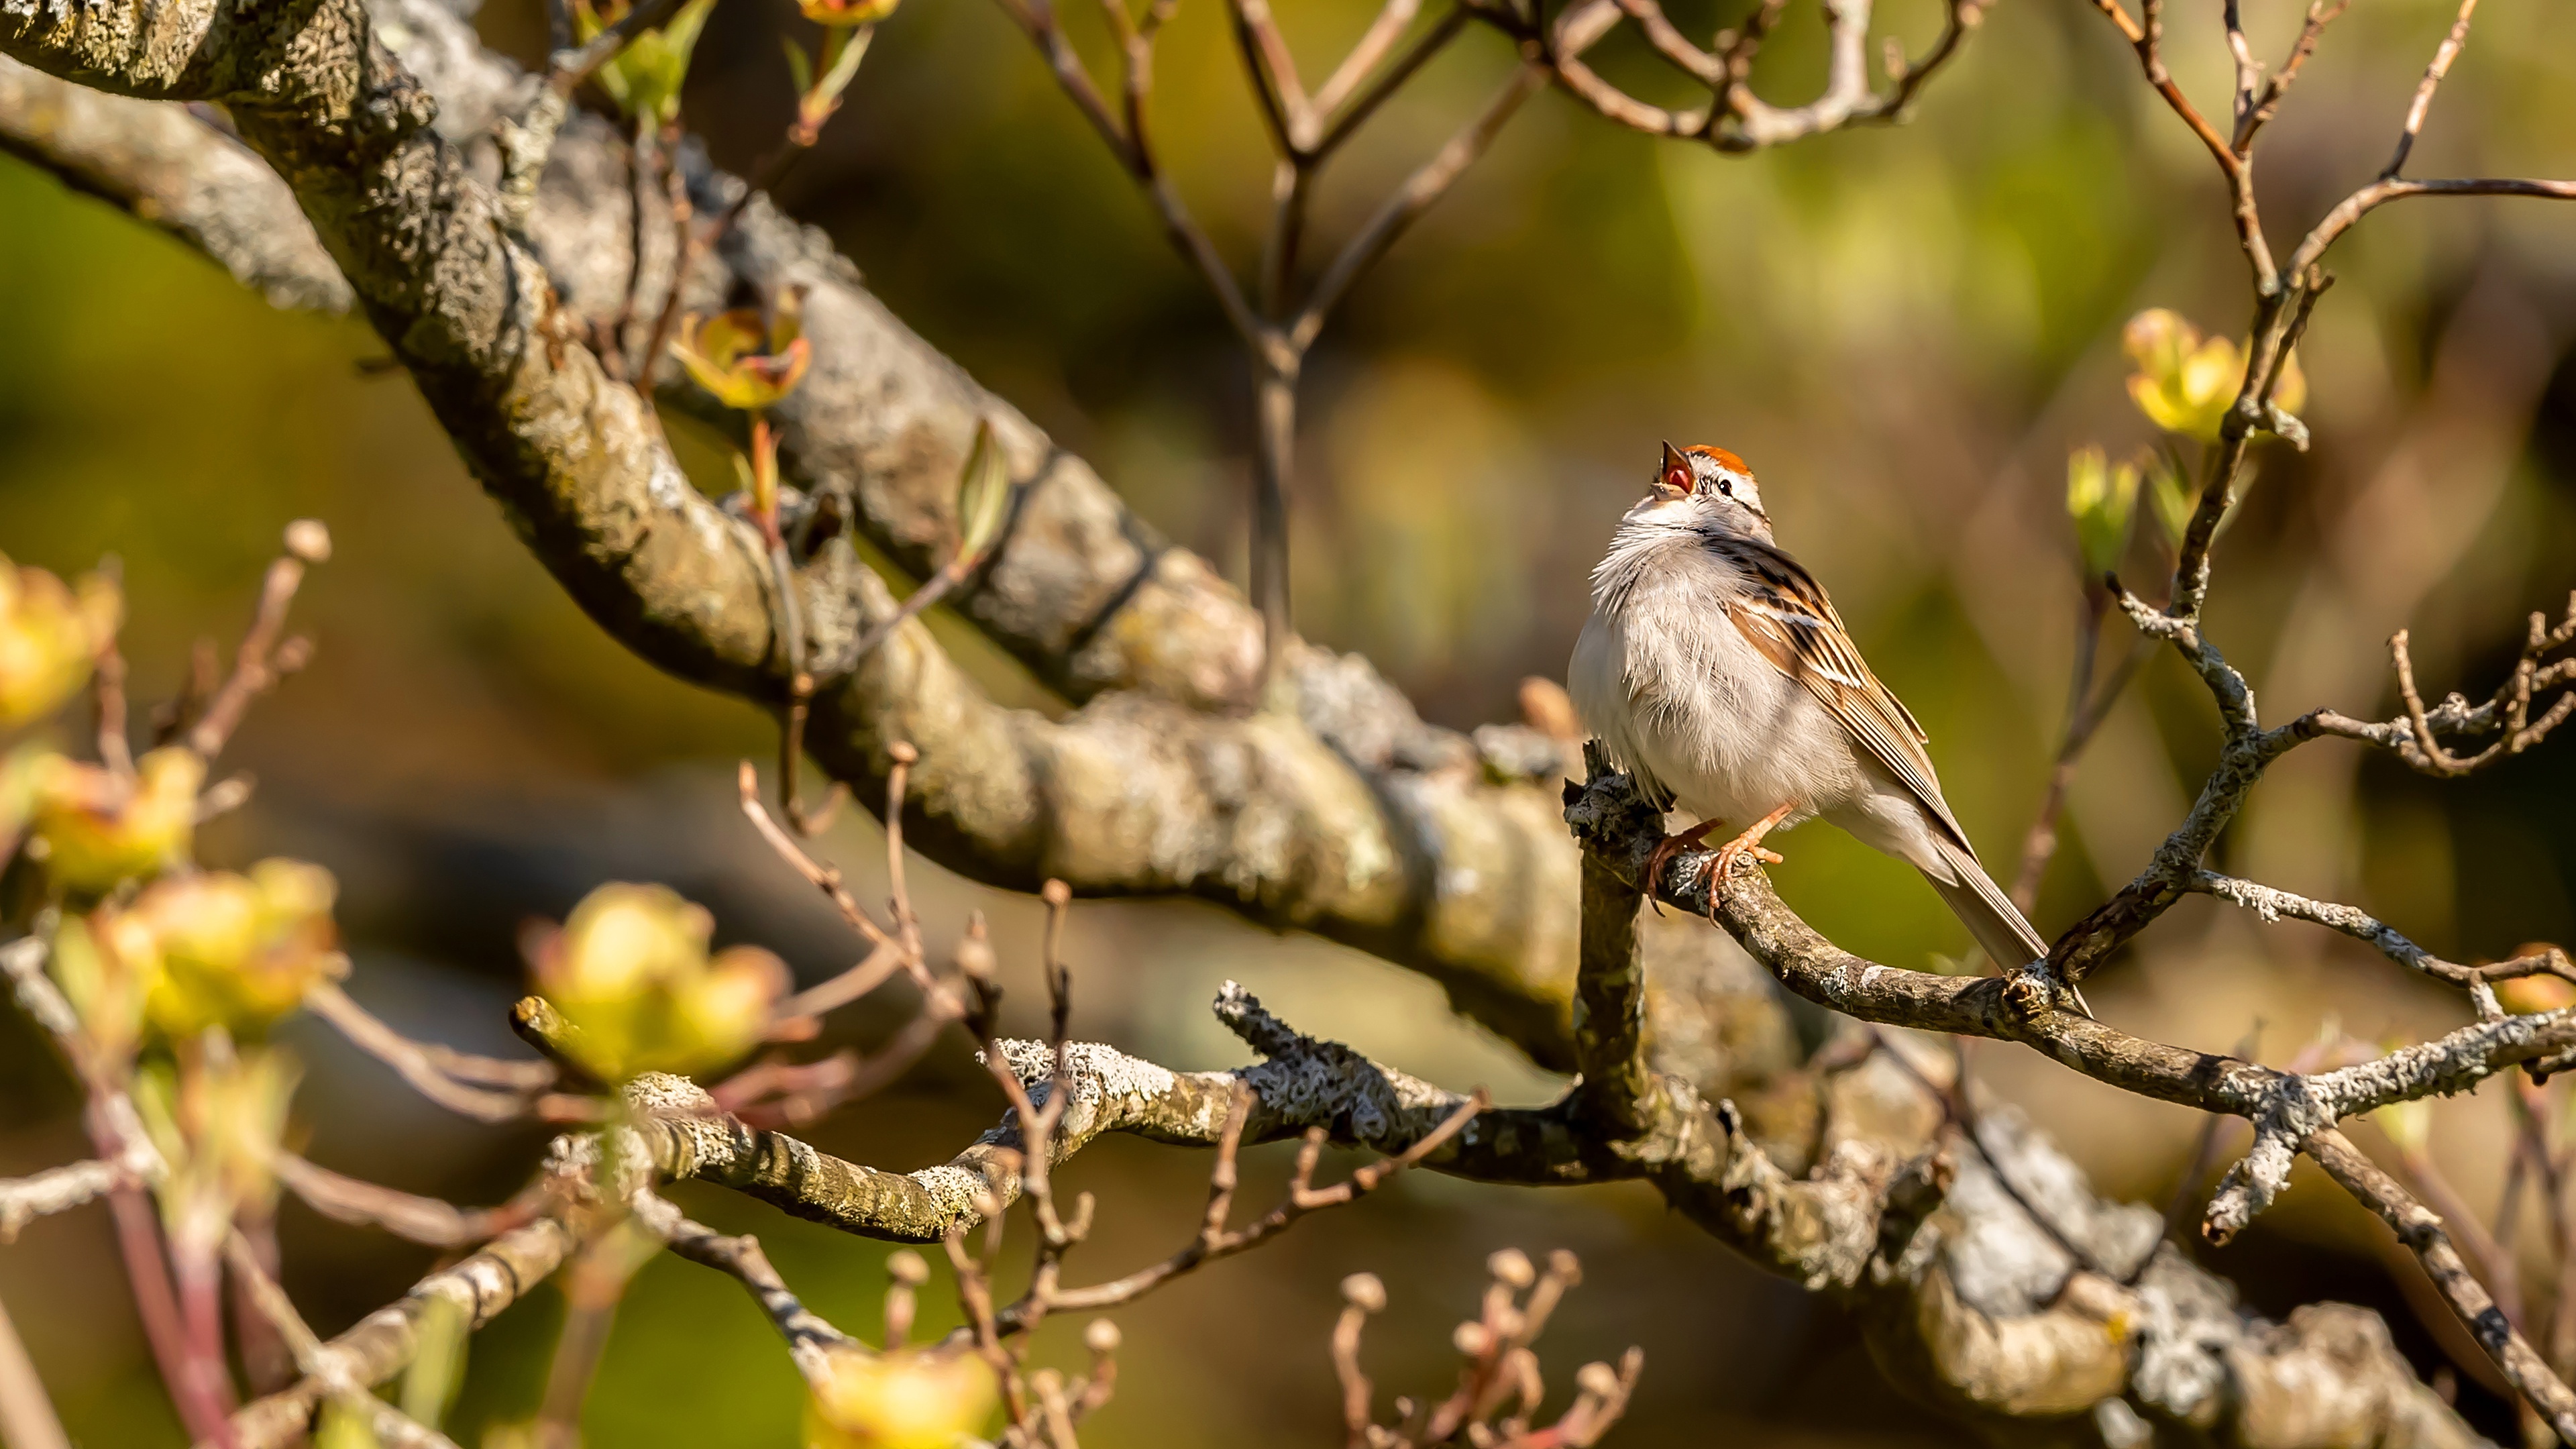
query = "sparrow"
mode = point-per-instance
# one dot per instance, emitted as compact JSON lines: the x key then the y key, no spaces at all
{"x":1715,"y":671}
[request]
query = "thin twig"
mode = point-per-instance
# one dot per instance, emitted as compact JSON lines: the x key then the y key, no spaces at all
{"x":406,"y":1215}
{"x":810,"y":1340}
{"x":2419,"y":1229}
{"x":27,"y":1418}
{"x":1381,"y":36}
{"x":2086,"y":709}
{"x":107,"y":689}
{"x":2321,"y":13}
{"x":1425,"y":186}
{"x":262,"y":660}
{"x":390,"y":1425}
{"x":454,"y":1080}
{"x":824,"y":878}
{"x":2439,"y":67}
{"x":1215,"y":1241}
{"x":58,"y":1189}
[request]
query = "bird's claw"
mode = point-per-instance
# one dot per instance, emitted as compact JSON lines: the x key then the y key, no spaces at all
{"x":1724,"y":866}
{"x":1662,"y":858}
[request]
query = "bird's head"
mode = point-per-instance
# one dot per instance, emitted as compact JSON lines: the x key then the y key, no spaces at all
{"x":1704,"y":487}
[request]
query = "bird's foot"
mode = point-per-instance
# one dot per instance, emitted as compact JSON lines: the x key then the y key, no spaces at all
{"x":2041,"y":985}
{"x":1665,"y":850}
{"x":1749,"y":843}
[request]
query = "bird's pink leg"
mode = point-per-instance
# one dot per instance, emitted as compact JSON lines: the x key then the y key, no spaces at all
{"x":1749,"y":843}
{"x":1666,"y":849}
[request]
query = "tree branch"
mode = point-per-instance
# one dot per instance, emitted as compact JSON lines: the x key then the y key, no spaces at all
{"x":2420,"y":1230}
{"x":383,"y":1342}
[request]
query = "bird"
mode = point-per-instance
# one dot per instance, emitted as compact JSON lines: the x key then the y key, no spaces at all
{"x":1715,"y":672}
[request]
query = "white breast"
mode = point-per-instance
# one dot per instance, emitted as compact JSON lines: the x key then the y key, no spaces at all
{"x":1681,"y":698}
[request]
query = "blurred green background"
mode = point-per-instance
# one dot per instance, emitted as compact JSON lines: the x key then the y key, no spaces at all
{"x":1904,"y":329}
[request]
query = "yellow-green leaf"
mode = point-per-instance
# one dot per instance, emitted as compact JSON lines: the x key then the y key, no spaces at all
{"x":983,"y":493}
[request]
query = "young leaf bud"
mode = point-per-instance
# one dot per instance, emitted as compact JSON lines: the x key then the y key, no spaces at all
{"x":50,"y":635}
{"x":99,"y":830}
{"x":1364,"y":1292}
{"x":900,"y":1400}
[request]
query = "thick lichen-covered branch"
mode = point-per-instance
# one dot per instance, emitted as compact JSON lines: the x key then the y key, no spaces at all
{"x":1349,"y":817}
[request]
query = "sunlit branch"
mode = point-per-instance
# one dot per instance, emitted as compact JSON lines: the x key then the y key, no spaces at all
{"x":2421,"y":1231}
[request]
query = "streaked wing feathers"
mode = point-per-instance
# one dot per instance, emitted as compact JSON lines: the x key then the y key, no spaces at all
{"x":1785,"y":614}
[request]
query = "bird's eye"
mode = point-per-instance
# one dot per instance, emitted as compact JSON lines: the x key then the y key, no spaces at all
{"x":1726,"y":486}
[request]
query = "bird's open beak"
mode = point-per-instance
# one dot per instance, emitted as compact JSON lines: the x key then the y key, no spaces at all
{"x":1672,"y":480}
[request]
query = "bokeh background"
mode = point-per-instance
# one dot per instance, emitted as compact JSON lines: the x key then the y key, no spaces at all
{"x":1905,"y":329}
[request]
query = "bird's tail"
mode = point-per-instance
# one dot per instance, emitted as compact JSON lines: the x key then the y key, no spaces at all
{"x":1988,"y":913}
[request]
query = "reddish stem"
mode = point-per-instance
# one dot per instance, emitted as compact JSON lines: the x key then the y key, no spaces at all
{"x":201,"y":1408}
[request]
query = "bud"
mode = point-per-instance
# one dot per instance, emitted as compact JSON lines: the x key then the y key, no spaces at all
{"x":644,"y":79}
{"x":1472,"y":1338}
{"x":746,"y":361}
{"x":99,"y":831}
{"x":1101,"y":1336}
{"x":1597,"y":1379}
{"x":218,"y":1122}
{"x":1511,"y":1268}
{"x":906,"y":1267}
{"x":843,"y":13}
{"x":631,"y":970}
{"x":19,"y":770}
{"x":2102,"y":500}
{"x":1364,"y":1292}
{"x":906,"y":1400}
{"x":2409,"y":1125}
{"x":238,"y":951}
{"x":975,"y":959}
{"x":309,"y":540}
{"x":2531,"y":995}
{"x":50,"y":635}
{"x":107,"y":966}
{"x":1563,"y":1266}
{"x":2186,"y":384}
{"x":983,"y":493}
{"x":2173,"y":499}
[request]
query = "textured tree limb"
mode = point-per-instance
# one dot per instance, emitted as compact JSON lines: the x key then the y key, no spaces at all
{"x":1700,"y":1156}
{"x":383,"y":1342}
{"x":407,"y":1215}
{"x":2272,"y":904}
{"x":2418,"y":1228}
{"x":1079,"y":590}
{"x":1349,"y":822}
{"x":1616,"y":1080}
{"x":390,"y":1425}
{"x":1856,"y":1229}
{"x":57,"y":1189}
{"x":560,"y":447}
{"x":1613,"y":820}
{"x":810,"y":1340}
{"x":177,"y":172}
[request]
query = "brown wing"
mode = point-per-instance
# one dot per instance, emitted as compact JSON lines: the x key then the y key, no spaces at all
{"x":1786,"y":615}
